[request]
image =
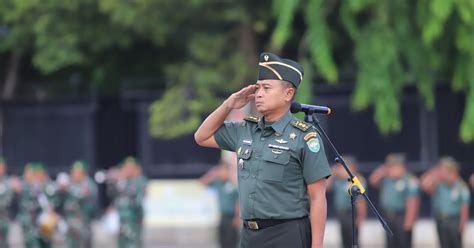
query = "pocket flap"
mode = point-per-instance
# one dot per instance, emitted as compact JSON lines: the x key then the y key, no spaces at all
{"x":283,"y":158}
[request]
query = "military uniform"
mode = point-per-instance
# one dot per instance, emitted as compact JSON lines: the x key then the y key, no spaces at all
{"x":393,"y":197}
{"x":128,"y":197}
{"x":276,"y":162}
{"x":342,"y":203}
{"x":227,"y":195}
{"x":447,"y":202}
{"x":78,"y":211}
{"x":6,"y":195}
{"x":37,"y":225}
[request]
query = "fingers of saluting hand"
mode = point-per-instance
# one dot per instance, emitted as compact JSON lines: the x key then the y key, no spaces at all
{"x":247,"y":90}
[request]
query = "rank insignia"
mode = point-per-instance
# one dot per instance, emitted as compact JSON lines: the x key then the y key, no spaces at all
{"x":310,"y":135}
{"x":292,"y":136}
{"x":281,"y":141}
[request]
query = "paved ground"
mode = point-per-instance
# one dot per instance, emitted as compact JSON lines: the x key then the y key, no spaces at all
{"x":372,"y":236}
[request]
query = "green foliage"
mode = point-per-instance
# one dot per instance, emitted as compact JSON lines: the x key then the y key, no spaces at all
{"x":395,"y":43}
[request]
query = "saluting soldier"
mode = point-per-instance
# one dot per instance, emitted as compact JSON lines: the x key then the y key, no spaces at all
{"x":450,"y":199}
{"x":79,"y":204}
{"x":282,"y":165}
{"x":6,"y":196}
{"x":339,"y":185}
{"x":227,"y":195}
{"x":129,"y":191}
{"x":399,"y":198}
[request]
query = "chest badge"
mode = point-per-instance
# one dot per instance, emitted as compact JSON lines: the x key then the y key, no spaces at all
{"x":241,"y":164}
{"x":247,"y":142}
{"x":293,"y":136}
{"x":281,"y":141}
{"x":276,"y":151}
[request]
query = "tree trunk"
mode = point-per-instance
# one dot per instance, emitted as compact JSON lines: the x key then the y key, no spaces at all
{"x":11,"y":80}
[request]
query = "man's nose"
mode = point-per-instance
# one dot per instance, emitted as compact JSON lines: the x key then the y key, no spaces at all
{"x":258,"y":92}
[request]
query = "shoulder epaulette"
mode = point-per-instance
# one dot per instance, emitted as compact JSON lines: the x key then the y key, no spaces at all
{"x":252,"y":118}
{"x":301,"y":125}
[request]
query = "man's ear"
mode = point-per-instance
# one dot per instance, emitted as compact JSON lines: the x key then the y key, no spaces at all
{"x":289,"y":94}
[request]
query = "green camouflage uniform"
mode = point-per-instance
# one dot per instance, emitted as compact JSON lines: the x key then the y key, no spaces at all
{"x":6,"y":195}
{"x":30,"y":211}
{"x":78,"y":212}
{"x":129,"y":195}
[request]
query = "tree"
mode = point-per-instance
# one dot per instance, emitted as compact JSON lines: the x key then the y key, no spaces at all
{"x":396,"y":43}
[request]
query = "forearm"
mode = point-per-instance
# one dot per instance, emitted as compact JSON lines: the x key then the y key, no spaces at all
{"x":411,"y":212}
{"x":318,"y":214}
{"x":463,"y":217}
{"x":212,"y":123}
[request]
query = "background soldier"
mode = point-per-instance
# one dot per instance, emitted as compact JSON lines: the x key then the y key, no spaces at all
{"x":451,"y":199}
{"x":399,"y":198}
{"x":36,"y":213}
{"x":339,"y":184}
{"x":79,"y":205}
{"x":129,"y":191}
{"x":227,"y":195}
{"x":6,"y":195}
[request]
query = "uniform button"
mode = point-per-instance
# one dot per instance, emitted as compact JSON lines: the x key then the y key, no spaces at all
{"x":257,"y":156}
{"x":262,"y":139}
{"x":250,"y":196}
{"x":275,"y":156}
{"x":253,"y":176}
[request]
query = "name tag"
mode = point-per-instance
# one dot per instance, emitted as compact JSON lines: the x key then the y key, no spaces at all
{"x":284,"y":148}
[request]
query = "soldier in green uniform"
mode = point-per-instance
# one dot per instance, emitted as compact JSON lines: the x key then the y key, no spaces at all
{"x":450,"y":199}
{"x":227,"y":196}
{"x":282,"y":165}
{"x":399,"y":198}
{"x":339,"y":185}
{"x":79,"y":204}
{"x":36,"y":213}
{"x":129,"y":191}
{"x":6,"y":196}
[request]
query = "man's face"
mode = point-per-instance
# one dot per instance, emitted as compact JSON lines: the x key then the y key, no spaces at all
{"x":396,"y":170}
{"x":449,"y":176}
{"x":77,"y":175}
{"x":271,"y":95}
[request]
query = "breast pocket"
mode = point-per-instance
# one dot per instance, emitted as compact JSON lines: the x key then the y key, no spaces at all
{"x":274,"y":166}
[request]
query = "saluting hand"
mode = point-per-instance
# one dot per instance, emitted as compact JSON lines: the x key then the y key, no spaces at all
{"x":240,"y":98}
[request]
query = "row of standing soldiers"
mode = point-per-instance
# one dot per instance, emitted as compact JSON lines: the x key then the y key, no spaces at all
{"x":68,"y":205}
{"x":400,"y":199}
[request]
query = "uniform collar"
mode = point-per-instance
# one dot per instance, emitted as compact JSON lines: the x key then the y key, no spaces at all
{"x":279,"y":125}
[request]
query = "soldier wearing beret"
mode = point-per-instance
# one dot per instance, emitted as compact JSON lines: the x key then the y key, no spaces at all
{"x":128,"y":190}
{"x":399,"y":198}
{"x":451,"y":200}
{"x":79,"y":196}
{"x":282,"y":165}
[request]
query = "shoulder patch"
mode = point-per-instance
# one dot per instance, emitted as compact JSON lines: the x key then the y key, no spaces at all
{"x":301,"y":125}
{"x":252,"y":118}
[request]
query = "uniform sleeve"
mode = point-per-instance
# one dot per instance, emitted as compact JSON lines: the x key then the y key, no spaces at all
{"x":413,"y":187}
{"x":465,"y":196}
{"x":227,"y":136}
{"x":314,"y":162}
